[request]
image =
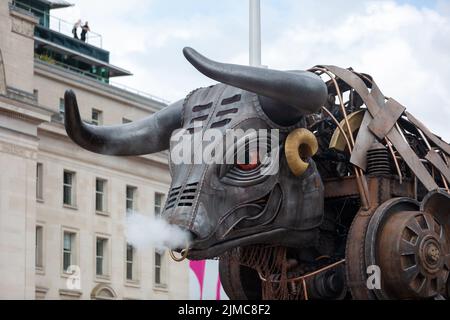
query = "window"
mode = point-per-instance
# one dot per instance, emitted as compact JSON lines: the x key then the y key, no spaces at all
{"x":68,"y":250}
{"x":69,"y":188}
{"x":131,"y":199}
{"x":39,"y":181}
{"x":125,"y":120}
{"x":97,"y":117}
{"x":159,"y":201}
{"x":62,"y":107}
{"x":130,"y":263}
{"x":100,"y":195}
{"x":158,"y":268}
{"x":39,"y":249}
{"x":101,"y":257}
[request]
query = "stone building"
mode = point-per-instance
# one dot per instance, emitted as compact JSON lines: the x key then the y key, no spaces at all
{"x":63,"y":209}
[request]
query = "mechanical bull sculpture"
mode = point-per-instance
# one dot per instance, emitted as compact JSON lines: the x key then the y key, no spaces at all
{"x":365,"y":186}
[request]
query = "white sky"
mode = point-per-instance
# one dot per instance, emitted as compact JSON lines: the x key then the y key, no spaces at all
{"x":404,"y":45}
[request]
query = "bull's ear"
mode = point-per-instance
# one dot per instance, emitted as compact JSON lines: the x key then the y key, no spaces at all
{"x":146,"y":136}
{"x":300,"y":144}
{"x":304,"y":92}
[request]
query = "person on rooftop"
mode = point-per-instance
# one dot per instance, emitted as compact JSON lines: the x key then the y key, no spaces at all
{"x":84,"y":30}
{"x":75,"y":29}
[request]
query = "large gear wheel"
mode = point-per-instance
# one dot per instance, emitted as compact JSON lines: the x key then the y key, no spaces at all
{"x":358,"y":243}
{"x":409,"y":244}
{"x":412,"y":249}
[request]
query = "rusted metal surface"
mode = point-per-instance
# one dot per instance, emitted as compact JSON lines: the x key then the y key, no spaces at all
{"x":356,"y":269}
{"x":365,"y":137}
{"x":396,"y":162}
{"x":438,"y":142}
{"x":391,"y":211}
{"x":338,"y":141}
{"x":387,"y":186}
{"x":413,"y":249}
{"x":409,"y":156}
{"x":439,"y":164}
{"x":360,"y":178}
{"x":368,"y":250}
{"x":438,"y":204}
{"x":232,"y":277}
{"x":341,"y":187}
{"x":363,"y":142}
{"x":386,"y":119}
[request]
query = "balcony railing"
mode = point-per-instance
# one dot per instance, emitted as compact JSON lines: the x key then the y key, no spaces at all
{"x":51,"y":61}
{"x":70,"y":43}
{"x":56,"y":24}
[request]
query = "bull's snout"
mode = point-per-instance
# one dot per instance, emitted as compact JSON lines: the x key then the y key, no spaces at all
{"x":196,"y":223}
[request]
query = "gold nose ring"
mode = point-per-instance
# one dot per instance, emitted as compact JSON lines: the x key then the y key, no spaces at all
{"x":184,"y":254}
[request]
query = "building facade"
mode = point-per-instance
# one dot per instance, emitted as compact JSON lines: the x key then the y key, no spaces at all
{"x":63,"y":209}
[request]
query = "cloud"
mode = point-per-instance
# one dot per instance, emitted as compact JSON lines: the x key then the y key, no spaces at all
{"x":403,"y":46}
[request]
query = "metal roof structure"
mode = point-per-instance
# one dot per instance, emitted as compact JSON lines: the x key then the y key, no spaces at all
{"x":113,"y":70}
{"x":56,"y":4}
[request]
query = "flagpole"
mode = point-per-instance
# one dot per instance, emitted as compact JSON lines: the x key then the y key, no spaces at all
{"x":255,"y":33}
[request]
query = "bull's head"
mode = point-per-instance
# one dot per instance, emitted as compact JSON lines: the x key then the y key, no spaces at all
{"x":226,"y":205}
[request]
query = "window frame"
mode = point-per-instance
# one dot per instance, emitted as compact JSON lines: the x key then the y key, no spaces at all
{"x":158,"y":208}
{"x":72,"y":187}
{"x":99,"y":115}
{"x":74,"y":258}
{"x":39,"y":249}
{"x":159,"y":270}
{"x":40,"y":182}
{"x":135,"y":270}
{"x":104,"y":195}
{"x":133,"y":199}
{"x":62,"y":107}
{"x":106,"y":257}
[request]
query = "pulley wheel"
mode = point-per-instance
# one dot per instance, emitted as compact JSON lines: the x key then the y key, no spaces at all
{"x":360,"y":245}
{"x":239,"y":282}
{"x":412,"y":250}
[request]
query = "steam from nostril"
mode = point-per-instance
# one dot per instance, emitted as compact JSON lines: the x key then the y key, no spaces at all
{"x":144,"y":232}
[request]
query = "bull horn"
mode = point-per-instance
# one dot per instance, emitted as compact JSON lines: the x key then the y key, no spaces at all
{"x":305,"y":91}
{"x":146,"y":136}
{"x":300,"y":145}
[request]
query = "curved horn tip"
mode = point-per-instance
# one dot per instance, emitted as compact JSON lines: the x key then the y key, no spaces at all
{"x":69,"y":94}
{"x":192,"y":55}
{"x":188,"y":51}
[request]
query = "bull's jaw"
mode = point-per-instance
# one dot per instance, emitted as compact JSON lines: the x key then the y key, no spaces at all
{"x":260,"y":233}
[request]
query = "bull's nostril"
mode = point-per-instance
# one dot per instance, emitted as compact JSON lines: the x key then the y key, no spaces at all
{"x":192,"y":236}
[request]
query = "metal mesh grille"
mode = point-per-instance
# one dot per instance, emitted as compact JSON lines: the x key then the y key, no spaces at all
{"x":182,"y":198}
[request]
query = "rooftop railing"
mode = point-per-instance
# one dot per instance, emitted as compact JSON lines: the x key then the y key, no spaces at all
{"x":59,"y":25}
{"x":139,"y":92}
{"x":49,"y":61}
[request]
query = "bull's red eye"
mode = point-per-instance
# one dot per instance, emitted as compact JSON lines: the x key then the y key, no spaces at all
{"x":251,"y":164}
